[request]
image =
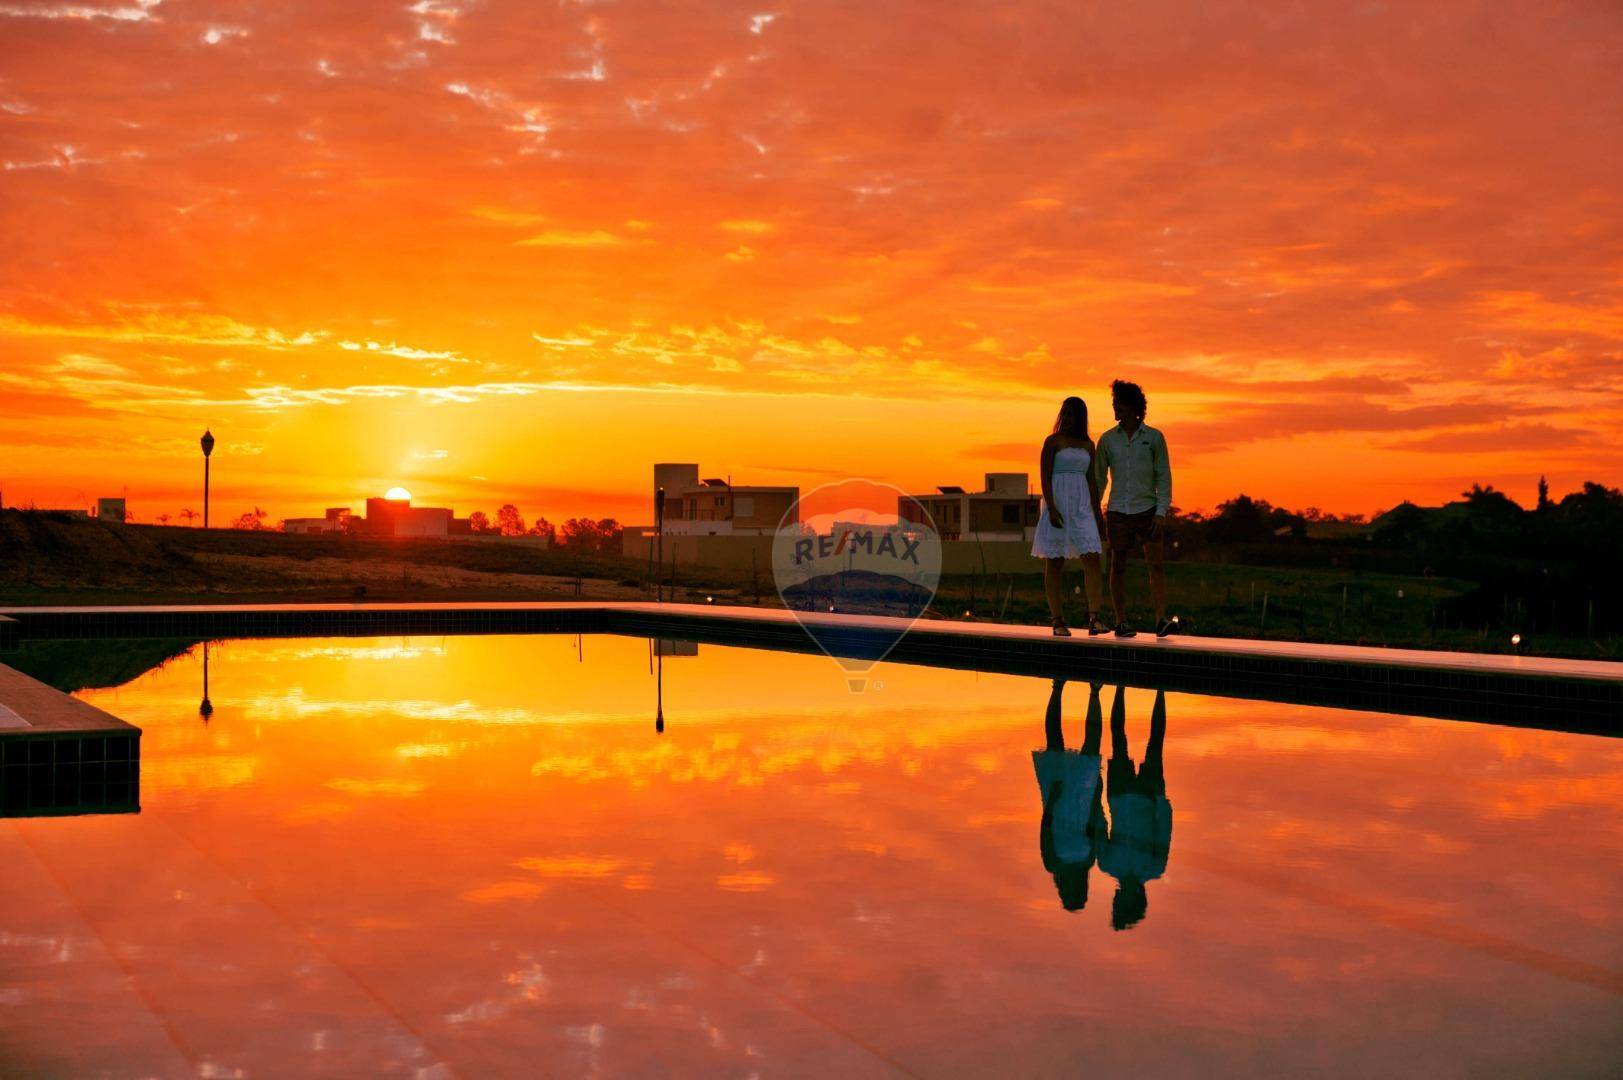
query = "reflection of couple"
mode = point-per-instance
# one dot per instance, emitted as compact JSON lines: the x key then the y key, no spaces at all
{"x":1133,"y":846}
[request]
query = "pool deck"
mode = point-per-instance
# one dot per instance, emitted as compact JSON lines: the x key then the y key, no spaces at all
{"x":1571,"y":695}
{"x":30,"y":708}
{"x":59,"y":755}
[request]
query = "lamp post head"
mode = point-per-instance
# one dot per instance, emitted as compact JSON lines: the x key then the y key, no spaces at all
{"x":207,"y":442}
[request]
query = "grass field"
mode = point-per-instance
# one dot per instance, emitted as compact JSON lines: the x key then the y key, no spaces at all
{"x":1291,"y":604}
{"x":53,"y":561}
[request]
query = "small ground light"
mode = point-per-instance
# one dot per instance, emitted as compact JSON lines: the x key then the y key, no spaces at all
{"x":1516,"y":642}
{"x":710,"y":599}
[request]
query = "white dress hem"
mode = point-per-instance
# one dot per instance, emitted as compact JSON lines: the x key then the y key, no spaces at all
{"x":1080,"y":534}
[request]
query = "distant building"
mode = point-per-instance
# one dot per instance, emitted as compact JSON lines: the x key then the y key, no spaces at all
{"x":397,"y":517}
{"x":336,"y":520}
{"x":1006,"y":510}
{"x":112,"y":510}
{"x":716,"y":507}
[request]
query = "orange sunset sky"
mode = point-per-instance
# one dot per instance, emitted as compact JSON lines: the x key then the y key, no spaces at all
{"x":498,"y":251}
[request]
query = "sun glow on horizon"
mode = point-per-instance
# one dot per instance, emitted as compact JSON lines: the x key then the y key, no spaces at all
{"x":397,"y":494}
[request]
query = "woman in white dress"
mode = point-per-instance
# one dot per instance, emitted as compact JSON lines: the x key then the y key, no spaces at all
{"x":1073,"y":824}
{"x":1071,"y":523}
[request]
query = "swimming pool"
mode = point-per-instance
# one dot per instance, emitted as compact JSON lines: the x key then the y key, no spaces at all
{"x":477,"y":855}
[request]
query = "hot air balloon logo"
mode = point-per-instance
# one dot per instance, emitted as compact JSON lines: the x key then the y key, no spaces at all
{"x":857,"y":562}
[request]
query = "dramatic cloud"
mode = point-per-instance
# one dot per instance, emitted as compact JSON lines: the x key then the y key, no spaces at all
{"x":1354,"y":254}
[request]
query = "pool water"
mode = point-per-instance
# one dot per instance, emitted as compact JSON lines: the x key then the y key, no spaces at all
{"x":477,"y":856}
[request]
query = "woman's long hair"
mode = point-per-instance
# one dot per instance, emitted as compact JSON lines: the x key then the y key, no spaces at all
{"x":1072,"y":420}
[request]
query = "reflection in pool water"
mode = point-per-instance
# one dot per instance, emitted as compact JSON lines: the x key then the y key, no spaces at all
{"x":473,"y":856}
{"x":1133,"y":845}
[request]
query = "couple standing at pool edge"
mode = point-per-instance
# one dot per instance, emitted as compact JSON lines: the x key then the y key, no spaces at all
{"x":1131,"y":459}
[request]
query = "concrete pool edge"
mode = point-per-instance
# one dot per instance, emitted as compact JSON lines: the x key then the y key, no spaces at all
{"x":1568,"y":695}
{"x":62,"y":756}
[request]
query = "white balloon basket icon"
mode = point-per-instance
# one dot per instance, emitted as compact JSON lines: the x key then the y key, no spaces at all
{"x":857,"y":562}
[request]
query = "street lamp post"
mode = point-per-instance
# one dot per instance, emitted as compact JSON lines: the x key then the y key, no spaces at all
{"x":207,"y":442}
{"x":206,"y":709}
{"x":659,"y":691}
{"x":659,"y":542}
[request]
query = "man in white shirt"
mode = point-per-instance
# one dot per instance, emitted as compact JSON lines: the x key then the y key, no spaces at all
{"x":1133,"y":457}
{"x":1140,"y":838}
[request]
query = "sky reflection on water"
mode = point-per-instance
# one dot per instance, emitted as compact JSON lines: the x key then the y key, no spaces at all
{"x":472,"y":855}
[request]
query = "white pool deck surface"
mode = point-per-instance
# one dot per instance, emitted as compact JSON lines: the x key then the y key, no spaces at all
{"x":29,"y":707}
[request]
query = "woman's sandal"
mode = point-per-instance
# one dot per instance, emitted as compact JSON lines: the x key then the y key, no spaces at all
{"x":1060,"y":629}
{"x":1096,"y":626}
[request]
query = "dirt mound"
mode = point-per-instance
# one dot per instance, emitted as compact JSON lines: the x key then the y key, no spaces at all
{"x":57,"y":558}
{"x":83,"y":560}
{"x":56,"y":551}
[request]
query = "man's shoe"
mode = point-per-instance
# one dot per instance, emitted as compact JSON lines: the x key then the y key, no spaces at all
{"x":1123,"y":630}
{"x":1166,"y":627}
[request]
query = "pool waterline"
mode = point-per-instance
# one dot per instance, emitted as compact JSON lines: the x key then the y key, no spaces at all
{"x":473,"y":851}
{"x":1563,"y":695}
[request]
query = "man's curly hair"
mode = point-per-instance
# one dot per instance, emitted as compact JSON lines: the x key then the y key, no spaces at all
{"x":1130,"y":396}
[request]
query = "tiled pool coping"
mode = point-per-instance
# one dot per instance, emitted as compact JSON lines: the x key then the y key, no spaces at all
{"x":59,"y":755}
{"x":1569,"y":695}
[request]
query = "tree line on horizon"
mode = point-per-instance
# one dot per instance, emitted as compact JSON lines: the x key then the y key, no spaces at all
{"x":1483,"y":519}
{"x":579,"y":533}
{"x":1482,"y":508}
{"x":1551,"y":567}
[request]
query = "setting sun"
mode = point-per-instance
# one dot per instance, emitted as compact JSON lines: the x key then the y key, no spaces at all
{"x":397,"y":494}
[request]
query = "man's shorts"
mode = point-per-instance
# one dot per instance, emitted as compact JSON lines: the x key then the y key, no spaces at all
{"x":1129,"y":531}
{"x":1124,"y":778}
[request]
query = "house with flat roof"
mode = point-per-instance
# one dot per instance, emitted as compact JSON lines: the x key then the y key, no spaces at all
{"x":397,"y":517}
{"x":713,"y":506}
{"x":1005,"y":510}
{"x":336,"y":520}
